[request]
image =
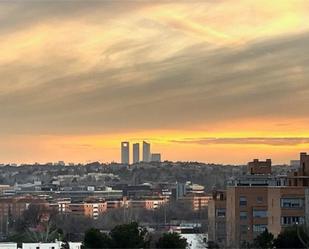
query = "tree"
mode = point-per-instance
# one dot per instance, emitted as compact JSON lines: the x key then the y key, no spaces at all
{"x":129,"y":236}
{"x":265,"y":240}
{"x":65,"y":245}
{"x":291,"y":237}
{"x":95,"y":239}
{"x":172,"y":240}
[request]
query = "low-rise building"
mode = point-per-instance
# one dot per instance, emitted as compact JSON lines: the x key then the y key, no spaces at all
{"x":198,"y":202}
{"x":89,"y":209}
{"x":54,"y":245}
{"x":8,"y":245}
{"x":147,"y":203}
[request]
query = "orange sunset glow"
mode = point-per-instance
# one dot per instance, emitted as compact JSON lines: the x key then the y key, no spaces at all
{"x":211,"y":81}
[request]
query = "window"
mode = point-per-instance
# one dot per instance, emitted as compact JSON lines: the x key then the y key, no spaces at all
{"x":259,"y":213}
{"x":259,"y":199}
{"x":290,"y":220}
{"x":292,"y":202}
{"x":243,"y":215}
{"x":220,"y":212}
{"x":242,"y":201}
{"x":259,"y":228}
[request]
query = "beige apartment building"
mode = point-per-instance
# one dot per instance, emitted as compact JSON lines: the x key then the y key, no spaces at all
{"x":217,"y":218}
{"x":246,"y":213}
{"x":286,"y":206}
{"x":259,"y":200}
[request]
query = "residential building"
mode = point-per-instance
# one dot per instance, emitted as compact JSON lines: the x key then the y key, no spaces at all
{"x":247,"y":213}
{"x":246,"y":202}
{"x":286,"y":207}
{"x":89,"y":209}
{"x":257,"y":167}
{"x":300,"y":177}
{"x":258,"y":200}
{"x":198,"y":202}
{"x":146,"y":152}
{"x":136,"y":153}
{"x":147,"y":203}
{"x":217,"y":218}
{"x":125,"y":153}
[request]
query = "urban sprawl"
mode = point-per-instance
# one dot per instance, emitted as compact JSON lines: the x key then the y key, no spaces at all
{"x":206,"y":203}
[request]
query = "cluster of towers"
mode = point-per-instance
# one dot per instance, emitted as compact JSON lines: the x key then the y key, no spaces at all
{"x":147,"y":155}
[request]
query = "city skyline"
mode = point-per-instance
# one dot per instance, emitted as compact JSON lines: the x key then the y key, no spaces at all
{"x":196,"y":84}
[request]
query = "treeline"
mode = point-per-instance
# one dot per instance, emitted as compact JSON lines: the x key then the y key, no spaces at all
{"x":40,"y":222}
{"x":131,"y":236}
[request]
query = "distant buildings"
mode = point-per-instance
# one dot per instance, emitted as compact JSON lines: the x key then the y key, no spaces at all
{"x":146,"y":157}
{"x":89,"y":209}
{"x":125,"y":153}
{"x":156,"y":157}
{"x":257,"y":167}
{"x":136,"y":153}
{"x":146,"y":152}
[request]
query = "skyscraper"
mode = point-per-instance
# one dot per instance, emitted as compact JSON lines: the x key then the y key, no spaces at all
{"x":125,"y":152}
{"x":136,"y":153}
{"x":146,"y":152}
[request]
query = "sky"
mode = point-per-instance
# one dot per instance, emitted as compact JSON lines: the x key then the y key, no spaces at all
{"x":221,"y":81}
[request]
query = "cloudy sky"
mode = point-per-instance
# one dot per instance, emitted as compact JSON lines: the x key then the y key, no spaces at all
{"x":213,"y":81}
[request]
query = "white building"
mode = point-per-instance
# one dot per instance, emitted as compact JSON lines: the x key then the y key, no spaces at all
{"x":8,"y":245}
{"x":55,"y":245}
{"x":196,"y":240}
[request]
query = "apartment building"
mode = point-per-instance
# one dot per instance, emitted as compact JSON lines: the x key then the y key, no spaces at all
{"x":147,"y":203}
{"x":259,"y":200}
{"x":300,"y":177}
{"x":257,"y":167}
{"x":247,"y":213}
{"x":286,"y":207}
{"x":198,"y":202}
{"x":247,"y":203}
{"x":90,"y":209}
{"x":217,"y":218}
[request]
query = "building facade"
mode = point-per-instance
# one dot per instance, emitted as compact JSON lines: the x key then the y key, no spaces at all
{"x":89,"y":209}
{"x":286,"y":207}
{"x":146,"y":152}
{"x":257,"y":167}
{"x":125,"y":153}
{"x":247,"y":213}
{"x":156,"y":157}
{"x":217,"y":218}
{"x":136,"y":153}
